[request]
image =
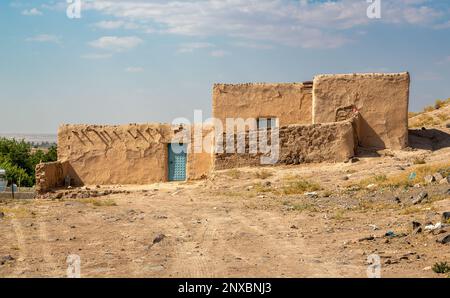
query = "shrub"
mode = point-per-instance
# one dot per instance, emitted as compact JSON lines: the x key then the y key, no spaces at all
{"x":300,"y":187}
{"x":428,"y":109}
{"x":441,"y":268}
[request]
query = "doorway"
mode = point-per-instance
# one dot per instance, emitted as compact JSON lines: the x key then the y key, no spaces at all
{"x":177,"y":161}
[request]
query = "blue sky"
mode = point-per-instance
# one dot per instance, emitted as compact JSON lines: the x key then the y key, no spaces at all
{"x":127,"y":61}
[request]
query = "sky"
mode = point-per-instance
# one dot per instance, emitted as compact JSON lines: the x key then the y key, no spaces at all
{"x":132,"y":61}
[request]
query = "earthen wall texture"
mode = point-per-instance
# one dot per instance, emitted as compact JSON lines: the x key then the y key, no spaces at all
{"x":290,"y":102}
{"x":381,"y":99}
{"x":330,"y":142}
{"x":125,"y":154}
{"x":50,"y":175}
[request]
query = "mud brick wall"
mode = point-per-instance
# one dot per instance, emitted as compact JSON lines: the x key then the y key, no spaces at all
{"x":49,"y":176}
{"x":330,"y":142}
{"x":381,"y":99}
{"x":290,"y":102}
{"x":125,"y":154}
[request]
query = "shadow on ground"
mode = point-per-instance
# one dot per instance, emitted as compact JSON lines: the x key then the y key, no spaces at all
{"x":428,"y":139}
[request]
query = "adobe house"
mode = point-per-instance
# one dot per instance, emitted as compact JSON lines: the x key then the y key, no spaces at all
{"x":320,"y":121}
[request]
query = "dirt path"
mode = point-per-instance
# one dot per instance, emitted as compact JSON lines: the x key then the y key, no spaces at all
{"x":239,"y":223}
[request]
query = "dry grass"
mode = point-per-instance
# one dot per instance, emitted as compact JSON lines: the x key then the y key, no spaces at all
{"x":443,"y":117}
{"x":299,"y":187}
{"x":415,"y":209}
{"x":340,"y":215}
{"x":99,"y":202}
{"x":234,"y":173}
{"x":301,"y":207}
{"x":441,"y":103}
{"x":425,"y":120}
{"x":263,"y":174}
{"x":235,"y":193}
{"x":428,"y":120}
{"x":367,"y":205}
{"x":419,"y":161}
{"x":262,"y":188}
{"x":405,"y":179}
{"x":15,"y":212}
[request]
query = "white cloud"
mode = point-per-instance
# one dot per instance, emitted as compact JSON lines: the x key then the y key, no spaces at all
{"x":31,"y":12}
{"x":446,"y":60}
{"x":445,"y":25}
{"x":191,"y":47}
{"x":134,"y":69}
{"x":252,"y":45}
{"x":96,"y":56}
{"x":44,"y":38}
{"x":219,"y":53}
{"x":110,"y":25}
{"x":115,"y":43}
{"x":307,"y":24}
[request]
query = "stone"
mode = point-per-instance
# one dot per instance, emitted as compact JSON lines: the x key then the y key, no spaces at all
{"x":438,"y":177}
{"x":354,"y":159}
{"x":417,"y":231}
{"x":158,"y":238}
{"x":369,"y":238}
{"x":444,"y":239}
{"x":7,"y":258}
{"x":439,"y":231}
{"x":371,"y":186}
{"x":433,"y":227}
{"x":445,"y":180}
{"x":312,"y":195}
{"x":416,"y":225}
{"x":429,"y":179}
{"x":420,"y":198}
{"x":2,"y":215}
{"x":446,"y":217}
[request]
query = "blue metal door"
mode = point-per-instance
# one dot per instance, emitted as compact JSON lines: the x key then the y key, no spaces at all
{"x":177,"y":162}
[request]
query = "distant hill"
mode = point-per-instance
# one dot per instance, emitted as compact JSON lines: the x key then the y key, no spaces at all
{"x":31,"y":138}
{"x":437,"y":116}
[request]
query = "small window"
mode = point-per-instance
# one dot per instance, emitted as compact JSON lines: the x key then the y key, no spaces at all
{"x":267,"y":122}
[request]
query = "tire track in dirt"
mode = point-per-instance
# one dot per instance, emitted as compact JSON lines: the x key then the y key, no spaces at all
{"x":282,"y":246}
{"x":21,"y":244}
{"x":194,"y":264}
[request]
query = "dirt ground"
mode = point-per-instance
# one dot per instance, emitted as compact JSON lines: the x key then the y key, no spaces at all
{"x":317,"y":220}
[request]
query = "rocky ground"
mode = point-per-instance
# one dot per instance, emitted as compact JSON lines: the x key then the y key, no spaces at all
{"x":319,"y":220}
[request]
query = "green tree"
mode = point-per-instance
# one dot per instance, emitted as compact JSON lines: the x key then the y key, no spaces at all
{"x":16,"y":174}
{"x":19,"y":161}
